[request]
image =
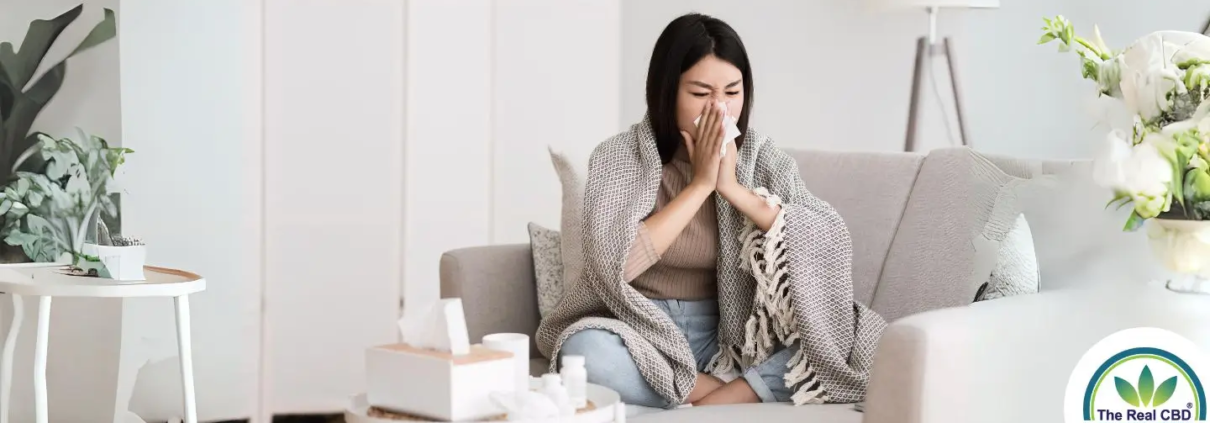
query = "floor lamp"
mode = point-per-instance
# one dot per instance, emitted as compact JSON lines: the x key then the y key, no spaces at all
{"x":926,"y":49}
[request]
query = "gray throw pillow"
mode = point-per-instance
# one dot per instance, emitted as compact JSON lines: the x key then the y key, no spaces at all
{"x":548,"y":266}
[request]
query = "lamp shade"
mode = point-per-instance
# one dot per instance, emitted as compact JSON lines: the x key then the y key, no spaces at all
{"x":895,"y":5}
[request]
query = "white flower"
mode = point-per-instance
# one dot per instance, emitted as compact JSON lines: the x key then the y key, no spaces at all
{"x":1188,"y":45}
{"x":1139,"y":171}
{"x":1149,"y":71}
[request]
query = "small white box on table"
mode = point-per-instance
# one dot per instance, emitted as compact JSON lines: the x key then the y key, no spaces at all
{"x":437,"y":385}
{"x":435,"y":373}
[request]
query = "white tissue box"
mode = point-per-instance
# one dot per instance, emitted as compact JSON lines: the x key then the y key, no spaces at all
{"x":437,"y":385}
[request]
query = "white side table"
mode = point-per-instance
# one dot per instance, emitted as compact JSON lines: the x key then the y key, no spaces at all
{"x":48,"y":280}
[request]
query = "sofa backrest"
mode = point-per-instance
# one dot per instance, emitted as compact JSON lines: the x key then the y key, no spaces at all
{"x":918,"y":221}
{"x":870,"y":191}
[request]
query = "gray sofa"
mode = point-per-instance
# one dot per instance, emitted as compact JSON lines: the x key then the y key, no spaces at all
{"x":915,"y":223}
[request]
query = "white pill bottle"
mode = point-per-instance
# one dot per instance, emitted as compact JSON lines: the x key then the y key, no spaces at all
{"x":575,"y":378}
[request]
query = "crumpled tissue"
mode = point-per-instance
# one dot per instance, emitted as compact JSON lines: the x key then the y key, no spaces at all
{"x":439,"y":326}
{"x":732,"y":131}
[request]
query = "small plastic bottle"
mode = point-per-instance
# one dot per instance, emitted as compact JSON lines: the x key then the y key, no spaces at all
{"x":575,"y":378}
{"x":552,"y":387}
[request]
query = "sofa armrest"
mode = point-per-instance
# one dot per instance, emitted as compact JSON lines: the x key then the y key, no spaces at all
{"x":922,"y":369}
{"x":496,"y":285}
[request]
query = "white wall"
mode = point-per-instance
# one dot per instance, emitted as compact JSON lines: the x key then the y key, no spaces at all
{"x":333,"y":194}
{"x":829,"y":75}
{"x":191,"y":111}
{"x":1030,"y":100}
{"x":85,"y":333}
{"x":486,"y":97}
{"x":396,"y":131}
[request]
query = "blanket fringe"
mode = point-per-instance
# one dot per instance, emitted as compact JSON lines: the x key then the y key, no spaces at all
{"x":764,"y":254}
{"x":728,"y":359}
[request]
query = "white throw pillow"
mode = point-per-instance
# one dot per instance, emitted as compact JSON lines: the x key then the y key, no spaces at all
{"x":1004,"y":252}
{"x":1016,"y":271}
{"x":548,"y":266}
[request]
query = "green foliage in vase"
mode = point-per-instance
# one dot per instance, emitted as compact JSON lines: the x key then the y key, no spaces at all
{"x":22,"y":96}
{"x":46,"y":213}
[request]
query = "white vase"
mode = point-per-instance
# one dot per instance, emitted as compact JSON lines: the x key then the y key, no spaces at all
{"x":122,"y":263}
{"x":1183,"y":247}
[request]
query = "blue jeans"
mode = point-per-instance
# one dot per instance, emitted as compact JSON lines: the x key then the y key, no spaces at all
{"x":609,"y":363}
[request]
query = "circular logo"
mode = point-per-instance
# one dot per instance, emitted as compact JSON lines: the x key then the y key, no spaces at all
{"x":1140,"y":374}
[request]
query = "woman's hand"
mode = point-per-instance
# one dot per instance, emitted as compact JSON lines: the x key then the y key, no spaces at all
{"x":726,"y":170}
{"x":744,"y":200}
{"x":704,"y":147}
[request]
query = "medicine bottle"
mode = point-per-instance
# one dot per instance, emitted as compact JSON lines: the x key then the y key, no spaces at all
{"x":575,"y":378}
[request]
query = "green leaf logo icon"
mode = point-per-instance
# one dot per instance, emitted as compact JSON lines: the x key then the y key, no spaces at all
{"x":1146,"y":386}
{"x":1164,"y":391}
{"x":1147,"y":393}
{"x":1126,"y":391}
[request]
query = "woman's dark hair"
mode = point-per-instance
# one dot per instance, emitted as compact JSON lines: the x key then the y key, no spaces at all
{"x":684,"y":42}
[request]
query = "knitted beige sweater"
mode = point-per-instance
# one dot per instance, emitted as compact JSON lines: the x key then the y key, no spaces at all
{"x":687,"y":268}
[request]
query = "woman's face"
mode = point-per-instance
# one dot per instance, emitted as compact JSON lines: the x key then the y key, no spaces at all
{"x":711,"y":79}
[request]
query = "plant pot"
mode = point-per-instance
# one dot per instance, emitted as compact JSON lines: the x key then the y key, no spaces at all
{"x":119,"y":263}
{"x":1183,"y":247}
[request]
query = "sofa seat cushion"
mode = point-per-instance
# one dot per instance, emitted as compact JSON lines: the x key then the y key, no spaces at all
{"x":780,"y":412}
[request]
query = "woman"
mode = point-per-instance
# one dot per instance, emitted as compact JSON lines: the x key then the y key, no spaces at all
{"x":712,"y":276}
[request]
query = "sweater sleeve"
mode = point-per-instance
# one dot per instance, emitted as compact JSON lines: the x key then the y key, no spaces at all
{"x":641,"y":257}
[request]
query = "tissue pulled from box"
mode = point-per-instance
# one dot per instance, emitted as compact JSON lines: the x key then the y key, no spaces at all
{"x":438,"y":326}
{"x":731,"y":130}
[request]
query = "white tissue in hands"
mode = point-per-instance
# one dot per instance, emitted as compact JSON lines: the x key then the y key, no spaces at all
{"x":731,"y":130}
{"x":439,"y":326}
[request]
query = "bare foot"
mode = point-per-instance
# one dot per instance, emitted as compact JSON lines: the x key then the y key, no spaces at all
{"x":736,"y":392}
{"x":704,"y":386}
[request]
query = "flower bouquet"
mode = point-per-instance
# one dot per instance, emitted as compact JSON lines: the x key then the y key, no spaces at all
{"x":1160,"y":166}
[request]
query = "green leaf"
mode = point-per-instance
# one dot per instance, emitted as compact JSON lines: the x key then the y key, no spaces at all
{"x":1164,"y":392}
{"x":1120,"y":199}
{"x":102,"y":32}
{"x":17,"y":238}
{"x":5,"y":206}
{"x":1126,"y":391}
{"x":1134,"y":222}
{"x":40,"y":36}
{"x":1046,"y":38}
{"x":1146,"y":386}
{"x":35,"y":199}
{"x":1178,"y":170}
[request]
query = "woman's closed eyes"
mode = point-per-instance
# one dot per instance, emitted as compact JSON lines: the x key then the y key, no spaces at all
{"x":729,"y":93}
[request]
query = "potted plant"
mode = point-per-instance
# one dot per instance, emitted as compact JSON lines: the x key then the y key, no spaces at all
{"x":118,"y":257}
{"x":23,"y":95}
{"x":1160,"y":166}
{"x":52,"y":214}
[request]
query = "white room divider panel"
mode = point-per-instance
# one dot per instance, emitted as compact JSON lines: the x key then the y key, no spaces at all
{"x":557,"y":77}
{"x":449,"y":177}
{"x":190,"y":110}
{"x":334,"y":122}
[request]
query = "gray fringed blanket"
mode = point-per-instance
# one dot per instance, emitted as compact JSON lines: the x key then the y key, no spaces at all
{"x":790,"y":284}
